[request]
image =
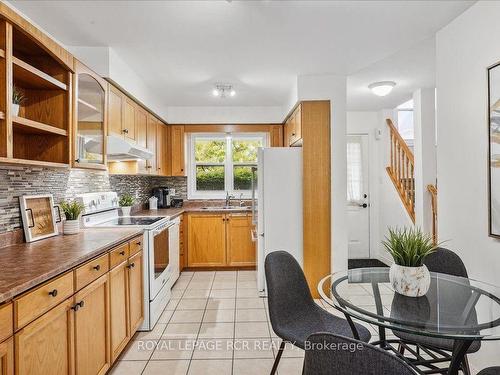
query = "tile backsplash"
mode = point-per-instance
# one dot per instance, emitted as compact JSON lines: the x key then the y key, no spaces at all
{"x":67,"y":183}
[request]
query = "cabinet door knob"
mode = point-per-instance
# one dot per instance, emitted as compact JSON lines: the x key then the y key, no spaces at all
{"x":138,"y":243}
{"x":77,"y":160}
{"x":98,"y":267}
{"x":53,"y":293}
{"x":131,"y":265}
{"x":122,"y":252}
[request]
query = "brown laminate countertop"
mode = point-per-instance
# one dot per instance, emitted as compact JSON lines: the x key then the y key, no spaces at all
{"x":26,"y":265}
{"x":191,"y":206}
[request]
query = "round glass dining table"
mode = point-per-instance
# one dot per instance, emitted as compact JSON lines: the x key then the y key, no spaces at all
{"x":454,"y":308}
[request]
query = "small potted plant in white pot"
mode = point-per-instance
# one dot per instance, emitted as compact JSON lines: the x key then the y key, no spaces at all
{"x":126,"y":202}
{"x":408,"y":247}
{"x":72,"y":211}
{"x":17,"y":99}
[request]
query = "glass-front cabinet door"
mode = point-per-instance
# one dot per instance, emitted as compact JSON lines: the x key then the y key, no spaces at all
{"x":90,"y":119}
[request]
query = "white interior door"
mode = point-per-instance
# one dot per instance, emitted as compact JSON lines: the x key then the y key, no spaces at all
{"x":358,"y":204}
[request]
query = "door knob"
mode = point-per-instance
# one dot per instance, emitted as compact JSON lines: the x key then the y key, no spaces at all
{"x":364,"y":205}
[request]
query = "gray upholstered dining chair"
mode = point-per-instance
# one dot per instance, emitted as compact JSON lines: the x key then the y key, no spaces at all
{"x":294,"y":314}
{"x":447,"y":262}
{"x":490,"y":371}
{"x":328,"y":354}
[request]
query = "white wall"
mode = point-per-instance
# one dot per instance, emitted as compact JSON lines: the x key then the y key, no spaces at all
{"x":465,"y":48}
{"x":386,"y":209}
{"x":224,"y":115}
{"x":333,"y":88}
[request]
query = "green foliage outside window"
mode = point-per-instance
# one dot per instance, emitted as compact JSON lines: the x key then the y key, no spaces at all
{"x":212,"y":177}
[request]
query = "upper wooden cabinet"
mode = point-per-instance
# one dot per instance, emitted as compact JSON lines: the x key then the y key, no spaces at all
{"x":128,"y":125}
{"x":162,"y":150}
{"x":121,"y":114}
{"x":151,"y":144}
{"x":293,"y":128}
{"x":38,"y":130}
{"x":177,"y":150}
{"x":90,"y":120}
{"x":115,"y":111}
{"x":141,"y":125}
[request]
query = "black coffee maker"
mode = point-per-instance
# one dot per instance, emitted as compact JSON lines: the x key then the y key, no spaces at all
{"x":162,"y":194}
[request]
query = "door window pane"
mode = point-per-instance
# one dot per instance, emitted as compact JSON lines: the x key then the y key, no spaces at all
{"x":242,"y":177}
{"x":354,"y":172}
{"x":245,"y":150}
{"x":210,"y":178}
{"x":210,"y":151}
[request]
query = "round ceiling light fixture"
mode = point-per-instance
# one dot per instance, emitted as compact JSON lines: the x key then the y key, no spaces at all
{"x":222,"y":90}
{"x":382,"y":88}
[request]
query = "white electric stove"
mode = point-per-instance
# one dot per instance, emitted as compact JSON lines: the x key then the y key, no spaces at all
{"x":161,"y":248}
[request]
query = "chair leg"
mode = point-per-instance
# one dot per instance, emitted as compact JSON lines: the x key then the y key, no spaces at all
{"x":278,"y":357}
{"x":401,"y":349}
{"x":465,"y":366}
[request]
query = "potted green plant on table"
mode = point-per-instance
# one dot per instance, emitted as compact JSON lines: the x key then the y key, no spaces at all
{"x":408,"y":247}
{"x":17,"y":99}
{"x":72,"y":210}
{"x":126,"y":202}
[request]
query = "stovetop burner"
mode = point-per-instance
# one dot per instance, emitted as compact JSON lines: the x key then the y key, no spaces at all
{"x":132,"y":220}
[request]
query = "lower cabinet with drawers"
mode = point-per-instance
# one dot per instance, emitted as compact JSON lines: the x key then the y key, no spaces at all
{"x":77,"y":323}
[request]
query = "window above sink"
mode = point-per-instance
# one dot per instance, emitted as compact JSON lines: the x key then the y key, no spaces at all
{"x":220,"y":163}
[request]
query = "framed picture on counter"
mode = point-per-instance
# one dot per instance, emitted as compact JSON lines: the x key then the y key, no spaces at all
{"x":39,"y":219}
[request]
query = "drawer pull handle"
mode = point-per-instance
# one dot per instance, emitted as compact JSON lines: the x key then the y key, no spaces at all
{"x":78,"y":305}
{"x":138,"y":243}
{"x":53,"y":293}
{"x":131,"y":265}
{"x":98,"y":267}
{"x":122,"y":252}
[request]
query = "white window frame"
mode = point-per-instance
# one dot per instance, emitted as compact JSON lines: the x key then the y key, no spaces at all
{"x":228,"y":164}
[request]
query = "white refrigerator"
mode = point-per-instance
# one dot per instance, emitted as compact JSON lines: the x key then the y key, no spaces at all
{"x":279,"y":212}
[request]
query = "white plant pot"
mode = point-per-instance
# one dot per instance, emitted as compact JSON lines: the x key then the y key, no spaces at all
{"x":410,"y":281}
{"x":126,"y":210}
{"x":71,"y":226}
{"x":15,"y":109}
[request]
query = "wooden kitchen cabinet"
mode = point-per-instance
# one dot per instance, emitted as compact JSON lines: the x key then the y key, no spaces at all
{"x":136,"y":292}
{"x":7,"y":357}
{"x":177,"y":150}
{"x":46,"y":346}
{"x":128,"y":125}
{"x":118,"y":308}
{"x":162,"y":149}
{"x":6,"y":321}
{"x":206,"y":240}
{"x":89,"y":119}
{"x":115,"y":111}
{"x":92,"y":333}
{"x":240,"y":247}
{"x":293,"y":128}
{"x":220,"y":240}
{"x":141,"y":126}
{"x":151,"y":144}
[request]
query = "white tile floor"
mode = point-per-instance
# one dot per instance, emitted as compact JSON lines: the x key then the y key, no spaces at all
{"x":217,"y":324}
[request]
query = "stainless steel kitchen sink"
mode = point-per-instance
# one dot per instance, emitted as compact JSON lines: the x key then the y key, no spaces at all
{"x":227,"y":208}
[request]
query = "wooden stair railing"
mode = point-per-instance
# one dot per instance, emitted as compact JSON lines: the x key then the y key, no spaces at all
{"x":432,"y":189}
{"x":402,"y":169}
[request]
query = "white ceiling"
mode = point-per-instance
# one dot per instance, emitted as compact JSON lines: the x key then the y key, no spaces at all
{"x":181,"y":48}
{"x":411,"y":68}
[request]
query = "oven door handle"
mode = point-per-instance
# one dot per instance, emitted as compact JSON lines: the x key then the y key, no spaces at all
{"x":160,"y":230}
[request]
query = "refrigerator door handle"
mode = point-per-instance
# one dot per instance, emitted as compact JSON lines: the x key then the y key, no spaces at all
{"x":254,"y":218}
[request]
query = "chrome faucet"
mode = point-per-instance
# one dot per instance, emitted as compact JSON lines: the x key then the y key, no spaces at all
{"x":228,"y":199}
{"x":241,"y":199}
